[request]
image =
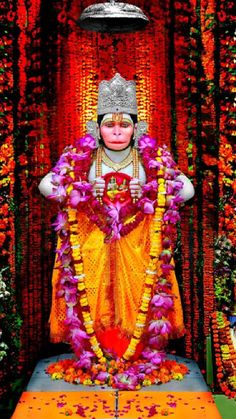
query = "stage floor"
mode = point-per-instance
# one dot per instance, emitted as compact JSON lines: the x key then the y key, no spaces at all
{"x":40,"y":381}
{"x":44,"y":398}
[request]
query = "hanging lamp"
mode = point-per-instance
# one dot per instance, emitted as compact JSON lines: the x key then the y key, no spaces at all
{"x":113,"y":17}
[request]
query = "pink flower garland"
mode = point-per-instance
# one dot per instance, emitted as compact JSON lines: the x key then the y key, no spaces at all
{"x":73,"y":190}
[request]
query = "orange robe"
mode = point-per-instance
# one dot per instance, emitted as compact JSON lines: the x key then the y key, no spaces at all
{"x":114,"y":278}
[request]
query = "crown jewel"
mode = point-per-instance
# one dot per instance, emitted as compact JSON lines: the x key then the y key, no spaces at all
{"x":117,"y":95}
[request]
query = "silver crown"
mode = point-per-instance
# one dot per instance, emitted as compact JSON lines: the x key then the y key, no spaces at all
{"x":117,"y":95}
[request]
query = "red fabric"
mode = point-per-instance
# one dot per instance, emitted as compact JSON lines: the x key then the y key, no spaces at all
{"x":117,"y":343}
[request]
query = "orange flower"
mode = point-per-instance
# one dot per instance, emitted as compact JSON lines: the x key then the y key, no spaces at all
{"x":3,"y":224}
{"x":6,"y":151}
{"x":4,"y":209}
{"x":164,"y":378}
{"x":22,"y":160}
{"x":69,"y":378}
{"x":70,"y":370}
{"x":2,"y":238}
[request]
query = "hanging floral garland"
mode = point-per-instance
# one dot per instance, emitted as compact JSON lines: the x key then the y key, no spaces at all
{"x":9,"y":318}
{"x":183,"y":22}
{"x":224,"y":273}
{"x":225,"y":354}
{"x":193,"y":285}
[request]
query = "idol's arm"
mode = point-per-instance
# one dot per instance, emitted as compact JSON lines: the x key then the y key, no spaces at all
{"x":187,"y":191}
{"x":45,"y":186}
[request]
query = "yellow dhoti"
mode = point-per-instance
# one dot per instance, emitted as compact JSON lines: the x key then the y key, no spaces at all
{"x":114,"y":278}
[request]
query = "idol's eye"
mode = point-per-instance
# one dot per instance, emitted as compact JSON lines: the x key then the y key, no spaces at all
{"x":125,"y":124}
{"x":109,"y":124}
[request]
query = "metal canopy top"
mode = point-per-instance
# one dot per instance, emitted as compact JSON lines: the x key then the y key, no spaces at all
{"x":114,"y":17}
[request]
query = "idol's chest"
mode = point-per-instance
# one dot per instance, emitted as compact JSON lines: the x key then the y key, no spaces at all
{"x":127,"y":170}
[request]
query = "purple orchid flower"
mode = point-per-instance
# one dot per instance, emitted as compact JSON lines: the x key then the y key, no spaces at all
{"x":152,"y":164}
{"x":178,"y":185}
{"x":71,"y":295}
{"x":113,"y":212}
{"x":166,"y":242}
{"x":83,"y":186}
{"x":162,"y":327}
{"x":84,"y":360}
{"x":162,"y":300}
{"x":145,"y":369}
{"x":170,"y":187}
{"x":175,"y":201}
{"x":70,"y":278}
{"x":170,"y":173}
{"x":72,"y":319}
{"x":59,"y":194}
{"x":77,"y":336}
{"x":172,"y":216}
{"x":146,"y":141}
{"x":157,"y":342}
{"x":77,"y":196}
{"x":62,"y":167}
{"x":115,"y":232}
{"x":57,"y":179}
{"x":167,"y":159}
{"x":154,"y":356}
{"x":60,"y":293}
{"x":126,"y":381}
{"x":65,"y":260}
{"x":64,"y":249}
{"x":77,"y":157}
{"x":61,"y":221}
{"x":168,"y":162}
{"x":141,"y":376}
{"x":166,"y":268}
{"x":150,"y":186}
{"x":147,"y":205}
{"x":166,"y":255}
{"x":102,"y":376}
{"x":159,"y":312}
{"x":87,"y":141}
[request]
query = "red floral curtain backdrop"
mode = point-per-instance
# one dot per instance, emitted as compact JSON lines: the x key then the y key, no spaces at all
{"x":182,"y":63}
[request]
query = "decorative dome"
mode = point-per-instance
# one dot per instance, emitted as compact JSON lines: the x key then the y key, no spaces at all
{"x":113,"y":17}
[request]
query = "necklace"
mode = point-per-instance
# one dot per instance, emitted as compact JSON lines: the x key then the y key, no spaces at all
{"x":103,"y":157}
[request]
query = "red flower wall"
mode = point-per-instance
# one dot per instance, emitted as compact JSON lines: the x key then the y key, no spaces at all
{"x":50,"y":73}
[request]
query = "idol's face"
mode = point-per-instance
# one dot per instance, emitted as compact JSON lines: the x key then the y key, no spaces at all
{"x":116,"y":131}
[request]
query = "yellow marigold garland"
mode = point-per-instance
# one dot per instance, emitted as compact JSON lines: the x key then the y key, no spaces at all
{"x":151,"y":272}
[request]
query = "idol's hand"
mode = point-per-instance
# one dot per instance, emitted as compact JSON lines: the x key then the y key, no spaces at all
{"x":98,"y":187}
{"x":135,"y":188}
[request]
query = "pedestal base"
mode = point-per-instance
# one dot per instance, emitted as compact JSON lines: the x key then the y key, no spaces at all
{"x":44,"y":398}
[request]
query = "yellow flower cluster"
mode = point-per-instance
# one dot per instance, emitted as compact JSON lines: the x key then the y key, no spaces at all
{"x":79,"y":272}
{"x":232,"y":381}
{"x":225,"y":351}
{"x":57,"y":376}
{"x":155,"y":250}
{"x":142,"y":315}
{"x":177,"y":376}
